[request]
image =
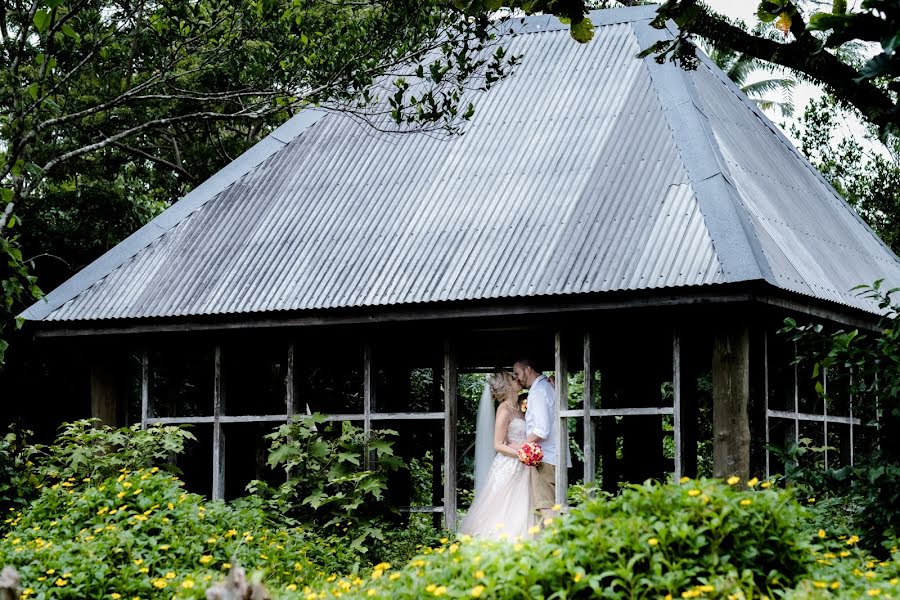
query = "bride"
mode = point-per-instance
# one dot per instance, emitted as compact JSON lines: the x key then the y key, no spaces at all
{"x":503,"y":504}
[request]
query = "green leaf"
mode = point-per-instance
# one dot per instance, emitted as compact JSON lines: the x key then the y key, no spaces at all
{"x":41,"y":20}
{"x":69,"y":32}
{"x":582,"y":32}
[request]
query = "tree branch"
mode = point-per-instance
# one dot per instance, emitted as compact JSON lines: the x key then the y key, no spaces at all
{"x":156,"y":159}
{"x":798,"y":55}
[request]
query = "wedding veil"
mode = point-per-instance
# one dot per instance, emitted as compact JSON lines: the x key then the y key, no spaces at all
{"x":484,"y":437}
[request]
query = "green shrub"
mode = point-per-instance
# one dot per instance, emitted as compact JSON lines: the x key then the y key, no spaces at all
{"x":843,"y":569}
{"x":335,"y":478}
{"x":700,"y":538}
{"x":18,"y":478}
{"x":141,"y":535}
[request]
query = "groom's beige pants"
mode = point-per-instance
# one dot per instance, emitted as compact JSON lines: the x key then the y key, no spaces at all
{"x":543,"y":486}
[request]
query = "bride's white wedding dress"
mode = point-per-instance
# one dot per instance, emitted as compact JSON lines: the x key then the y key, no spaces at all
{"x":503,"y":508}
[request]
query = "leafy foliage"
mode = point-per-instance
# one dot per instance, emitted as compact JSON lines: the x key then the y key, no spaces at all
{"x":336,"y":476}
{"x":140,"y":535}
{"x":865,"y":495}
{"x":105,"y":100}
{"x":868,"y":180}
{"x":82,"y":452}
{"x":701,"y":538}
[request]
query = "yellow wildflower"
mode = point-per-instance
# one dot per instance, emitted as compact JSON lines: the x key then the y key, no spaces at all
{"x":187,"y":584}
{"x":115,"y":596}
{"x":873,"y":592}
{"x":852,"y":540}
{"x":170,"y":575}
{"x":684,"y":479}
{"x":556,"y":507}
{"x":477,"y":591}
{"x":746,"y":502}
{"x":733,"y":480}
{"x":534,"y":530}
{"x":822,"y":533}
{"x":765,"y":485}
{"x":159,"y":583}
{"x":693,"y":492}
{"x":653,"y":541}
{"x":752,"y":482}
{"x":205,"y":559}
{"x":577,"y":577}
{"x":479,"y":574}
{"x":60,"y":582}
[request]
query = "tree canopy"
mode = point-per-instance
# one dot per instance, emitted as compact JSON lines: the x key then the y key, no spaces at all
{"x":109,"y":109}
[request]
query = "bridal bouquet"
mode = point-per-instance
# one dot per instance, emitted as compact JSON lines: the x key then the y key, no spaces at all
{"x":531,"y":454}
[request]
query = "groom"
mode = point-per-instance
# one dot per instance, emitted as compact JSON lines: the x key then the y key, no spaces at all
{"x":539,"y":419}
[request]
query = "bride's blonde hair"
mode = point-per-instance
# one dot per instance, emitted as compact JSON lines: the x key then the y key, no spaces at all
{"x":498,"y":385}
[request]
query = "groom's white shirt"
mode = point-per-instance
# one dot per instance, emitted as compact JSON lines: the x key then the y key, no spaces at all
{"x":540,"y":415}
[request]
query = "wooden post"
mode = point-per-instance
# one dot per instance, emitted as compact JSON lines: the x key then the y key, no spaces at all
{"x":731,"y":396}
{"x":105,"y":392}
{"x":589,"y":453}
{"x":676,"y":400}
{"x":766,"y":400}
{"x":368,"y":388}
{"x":562,"y":432}
{"x":450,"y":385}
{"x":218,"y":478}
{"x":290,"y":403}
{"x":145,"y":388}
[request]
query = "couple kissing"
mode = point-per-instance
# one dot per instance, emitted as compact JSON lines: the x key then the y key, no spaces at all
{"x":512,"y":498}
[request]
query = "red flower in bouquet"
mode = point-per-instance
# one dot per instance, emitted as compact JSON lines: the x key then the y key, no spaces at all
{"x":531,"y":454}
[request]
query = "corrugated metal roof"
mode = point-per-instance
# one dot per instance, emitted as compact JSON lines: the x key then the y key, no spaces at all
{"x":588,"y":170}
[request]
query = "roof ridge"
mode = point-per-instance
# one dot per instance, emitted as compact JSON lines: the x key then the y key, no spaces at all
{"x":118,"y":255}
{"x":739,"y":252}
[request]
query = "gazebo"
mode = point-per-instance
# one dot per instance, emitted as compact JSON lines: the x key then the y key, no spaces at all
{"x":637,"y":227}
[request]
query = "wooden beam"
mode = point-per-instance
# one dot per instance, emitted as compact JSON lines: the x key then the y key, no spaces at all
{"x":620,"y":412}
{"x":450,"y":389}
{"x":218,"y":461}
{"x":590,"y":456}
{"x":812,"y":417}
{"x":731,"y":396}
{"x":547,"y":307}
{"x":676,"y":402}
{"x":562,"y":432}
